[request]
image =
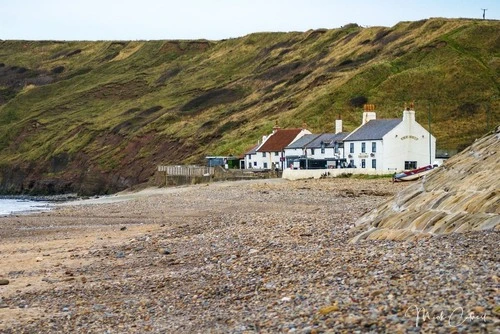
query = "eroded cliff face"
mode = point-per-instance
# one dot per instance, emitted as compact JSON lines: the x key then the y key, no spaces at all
{"x":461,"y":195}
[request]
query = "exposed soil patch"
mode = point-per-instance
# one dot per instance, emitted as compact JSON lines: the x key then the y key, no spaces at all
{"x":434,"y":45}
{"x":132,"y":111}
{"x":280,"y":107}
{"x":65,"y":53}
{"x":16,"y":77}
{"x":315,"y":34}
{"x":281,"y":71}
{"x":387,"y":36}
{"x":181,"y":47}
{"x":297,"y":78}
{"x":281,"y":45}
{"x":58,"y":69}
{"x":140,"y":119}
{"x":231,"y":125}
{"x":150,"y":111}
{"x":128,"y":90}
{"x":213,"y":98}
{"x":319,"y":81}
{"x":169,"y":74}
{"x":349,"y":37}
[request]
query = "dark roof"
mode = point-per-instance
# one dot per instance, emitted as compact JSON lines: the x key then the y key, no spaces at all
{"x":302,"y":141}
{"x":326,"y":139}
{"x":339,"y":137}
{"x":279,"y":140}
{"x":374,"y":129}
{"x":253,"y":150}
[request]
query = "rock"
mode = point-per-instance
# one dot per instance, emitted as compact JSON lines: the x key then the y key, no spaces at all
{"x":328,"y":309}
{"x":4,"y":281}
{"x":478,"y":309}
{"x":123,"y":228}
{"x":164,"y":251}
{"x":459,"y":196}
{"x":49,"y":280}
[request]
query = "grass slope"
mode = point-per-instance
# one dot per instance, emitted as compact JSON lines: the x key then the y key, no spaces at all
{"x":96,"y":117}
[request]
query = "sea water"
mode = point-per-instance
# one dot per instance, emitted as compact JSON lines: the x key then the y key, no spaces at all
{"x":13,"y":206}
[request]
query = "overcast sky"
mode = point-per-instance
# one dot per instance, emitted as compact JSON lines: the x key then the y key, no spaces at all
{"x":213,"y":19}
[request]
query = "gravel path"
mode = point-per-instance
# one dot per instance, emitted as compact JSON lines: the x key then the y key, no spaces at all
{"x":242,"y":257}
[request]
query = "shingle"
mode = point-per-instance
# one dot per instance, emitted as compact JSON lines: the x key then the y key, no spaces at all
{"x":374,"y":129}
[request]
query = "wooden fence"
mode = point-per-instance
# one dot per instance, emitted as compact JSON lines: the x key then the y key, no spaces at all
{"x":187,"y":170}
{"x":190,"y":174}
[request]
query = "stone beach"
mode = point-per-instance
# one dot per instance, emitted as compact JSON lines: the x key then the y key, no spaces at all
{"x":267,"y":256}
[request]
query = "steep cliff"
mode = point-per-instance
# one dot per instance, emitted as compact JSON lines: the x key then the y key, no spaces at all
{"x":97,"y":117}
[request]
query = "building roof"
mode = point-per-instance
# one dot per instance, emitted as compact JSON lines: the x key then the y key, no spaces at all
{"x":302,"y":141}
{"x":253,"y":150}
{"x":339,"y":137}
{"x":326,"y":139}
{"x":373,"y":130}
{"x":279,"y":140}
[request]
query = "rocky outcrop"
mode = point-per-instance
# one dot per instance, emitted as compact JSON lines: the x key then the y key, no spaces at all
{"x":461,"y":195}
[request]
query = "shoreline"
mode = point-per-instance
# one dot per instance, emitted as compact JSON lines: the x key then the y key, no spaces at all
{"x":236,"y":257}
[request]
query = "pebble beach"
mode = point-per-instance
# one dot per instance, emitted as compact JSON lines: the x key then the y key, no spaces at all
{"x":262,"y":256}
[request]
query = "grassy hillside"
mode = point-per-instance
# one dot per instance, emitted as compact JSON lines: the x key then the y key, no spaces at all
{"x":97,"y":117}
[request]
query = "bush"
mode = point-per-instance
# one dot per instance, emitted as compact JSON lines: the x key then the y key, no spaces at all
{"x":358,"y":101}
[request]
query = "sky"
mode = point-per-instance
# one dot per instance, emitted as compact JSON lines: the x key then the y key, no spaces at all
{"x":213,"y":19}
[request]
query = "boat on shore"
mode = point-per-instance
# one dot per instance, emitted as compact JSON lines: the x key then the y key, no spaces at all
{"x":413,"y":174}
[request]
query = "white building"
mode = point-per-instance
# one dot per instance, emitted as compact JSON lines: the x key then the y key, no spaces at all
{"x":315,"y":151}
{"x":269,"y":154}
{"x":389,"y":145}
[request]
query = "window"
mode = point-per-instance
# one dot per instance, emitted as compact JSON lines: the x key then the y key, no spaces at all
{"x":263,"y":154}
{"x":351,"y":148}
{"x":249,"y":157}
{"x":265,"y":165}
{"x":255,"y":163}
{"x":312,"y":151}
{"x":363,"y":147}
{"x":276,"y":154}
{"x":351,"y":164}
{"x":338,"y":146}
{"x":363,"y":163}
{"x":322,"y":150}
{"x":374,"y":163}
{"x":410,"y":164}
{"x":374,"y":147}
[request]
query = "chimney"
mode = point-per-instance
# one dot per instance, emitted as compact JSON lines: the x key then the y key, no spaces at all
{"x":276,"y":127}
{"x":368,"y":113}
{"x":338,"y":126}
{"x":409,"y":114}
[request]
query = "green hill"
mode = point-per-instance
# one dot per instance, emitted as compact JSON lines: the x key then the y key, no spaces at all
{"x":97,"y":117}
